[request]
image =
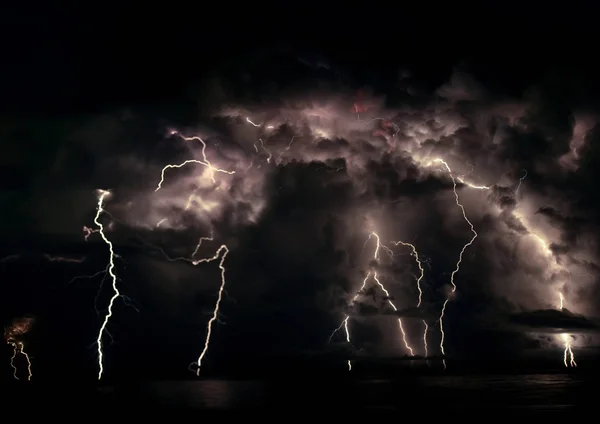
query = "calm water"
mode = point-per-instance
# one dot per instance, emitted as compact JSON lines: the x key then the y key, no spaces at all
{"x":542,"y":392}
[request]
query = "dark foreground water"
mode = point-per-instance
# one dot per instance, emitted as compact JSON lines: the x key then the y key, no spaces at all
{"x":428,"y":395}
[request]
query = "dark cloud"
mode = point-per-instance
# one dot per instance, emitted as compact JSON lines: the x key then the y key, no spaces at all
{"x":554,"y":321}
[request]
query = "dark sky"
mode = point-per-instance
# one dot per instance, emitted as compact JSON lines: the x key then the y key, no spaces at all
{"x":349,"y":110}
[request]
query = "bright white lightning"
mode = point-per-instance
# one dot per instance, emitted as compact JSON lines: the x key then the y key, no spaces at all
{"x":568,"y":355}
{"x":378,"y":246}
{"x":460,"y":256}
{"x":205,"y":162}
{"x":111,"y":271}
{"x":401,"y":326}
{"x":221,"y":252}
{"x":224,"y":250}
{"x":248,"y":120}
{"x":544,"y":245}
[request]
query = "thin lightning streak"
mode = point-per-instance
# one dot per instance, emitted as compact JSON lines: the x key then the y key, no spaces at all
{"x":460,"y":256}
{"x":29,"y":374}
{"x":289,"y":146}
{"x":221,"y":252}
{"x":262,"y":144}
{"x":415,"y":255}
{"x":520,"y":182}
{"x":207,"y":164}
{"x":111,"y":271}
{"x":345,"y":324}
{"x":225,"y":251}
{"x":395,"y":309}
{"x":252,"y":123}
{"x":425,"y":338}
{"x":376,"y":257}
{"x":12,"y":359}
{"x":345,"y":321}
{"x":568,"y":356}
{"x":18,"y":348}
{"x":566,"y":338}
{"x":51,"y":258}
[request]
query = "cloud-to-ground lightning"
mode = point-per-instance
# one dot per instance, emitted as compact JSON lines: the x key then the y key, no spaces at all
{"x":545,"y":248}
{"x":221,"y":252}
{"x":12,"y":333}
{"x":19,"y":349}
{"x":415,"y":254}
{"x":102,"y":196}
{"x":568,"y":356}
{"x":388,"y":296}
{"x":460,"y":256}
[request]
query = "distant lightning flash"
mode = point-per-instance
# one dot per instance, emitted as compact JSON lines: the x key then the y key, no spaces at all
{"x":521,"y":182}
{"x":18,"y":349}
{"x":568,"y":356}
{"x":103,"y":194}
{"x":460,"y":256}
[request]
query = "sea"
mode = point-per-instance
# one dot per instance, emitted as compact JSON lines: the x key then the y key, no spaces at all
{"x":428,"y":396}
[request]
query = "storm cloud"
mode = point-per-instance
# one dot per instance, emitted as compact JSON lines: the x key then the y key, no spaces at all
{"x":296,"y":178}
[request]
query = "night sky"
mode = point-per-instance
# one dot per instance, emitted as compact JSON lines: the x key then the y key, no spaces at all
{"x":329,"y":132}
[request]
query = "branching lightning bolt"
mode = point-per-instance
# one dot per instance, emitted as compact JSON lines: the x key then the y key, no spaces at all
{"x":460,"y":256}
{"x":378,"y":246}
{"x":204,"y":161}
{"x":221,"y":252}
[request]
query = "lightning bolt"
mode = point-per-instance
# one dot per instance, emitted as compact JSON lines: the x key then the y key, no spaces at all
{"x":19,"y":349}
{"x":415,"y":255}
{"x":520,"y":182}
{"x":248,"y":120}
{"x":103,"y":194}
{"x":460,"y":256}
{"x":376,"y":257}
{"x":345,"y":321}
{"x":215,"y":314}
{"x":568,"y":355}
{"x":221,"y":252}
{"x":378,"y":246}
{"x":205,"y":162}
